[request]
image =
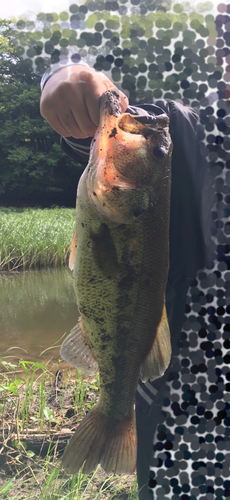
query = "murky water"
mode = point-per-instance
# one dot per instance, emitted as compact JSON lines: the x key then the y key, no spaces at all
{"x":37,"y":308}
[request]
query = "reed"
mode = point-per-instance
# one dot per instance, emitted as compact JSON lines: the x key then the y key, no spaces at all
{"x":34,"y":237}
{"x":57,"y":485}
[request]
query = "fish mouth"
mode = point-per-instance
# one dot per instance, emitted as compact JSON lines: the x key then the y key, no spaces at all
{"x":113,"y":184}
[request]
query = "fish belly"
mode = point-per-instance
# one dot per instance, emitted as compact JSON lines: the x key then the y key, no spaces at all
{"x":120,"y":296}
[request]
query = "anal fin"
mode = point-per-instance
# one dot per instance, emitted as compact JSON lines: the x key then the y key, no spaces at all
{"x":158,"y":359}
{"x":75,"y":351}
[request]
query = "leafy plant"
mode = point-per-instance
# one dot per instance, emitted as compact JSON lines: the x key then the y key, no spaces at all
{"x":11,"y":386}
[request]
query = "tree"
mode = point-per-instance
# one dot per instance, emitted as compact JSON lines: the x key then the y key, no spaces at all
{"x":33,"y":168}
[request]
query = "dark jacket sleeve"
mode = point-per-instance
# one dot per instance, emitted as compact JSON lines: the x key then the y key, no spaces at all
{"x":191,"y":247}
{"x":191,"y":196}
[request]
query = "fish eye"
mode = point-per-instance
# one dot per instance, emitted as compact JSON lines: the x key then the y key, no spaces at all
{"x":159,"y":152}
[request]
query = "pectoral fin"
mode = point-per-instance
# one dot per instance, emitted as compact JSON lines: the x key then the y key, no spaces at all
{"x":159,"y":357}
{"x":75,"y":351}
{"x":73,"y":249}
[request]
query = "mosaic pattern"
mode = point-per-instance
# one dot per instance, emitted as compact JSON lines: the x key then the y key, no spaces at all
{"x":154,"y":49}
{"x":192,"y":441}
{"x":150,"y":48}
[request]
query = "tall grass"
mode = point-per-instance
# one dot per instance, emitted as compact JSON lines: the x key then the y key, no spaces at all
{"x":55,"y":484}
{"x":26,"y":408}
{"x":25,"y":389}
{"x":34,"y":237}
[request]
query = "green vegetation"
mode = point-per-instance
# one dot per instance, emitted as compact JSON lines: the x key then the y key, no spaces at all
{"x":57,"y":485}
{"x":37,"y":410}
{"x":35,"y":237}
{"x":39,"y":398}
{"x":33,"y":167}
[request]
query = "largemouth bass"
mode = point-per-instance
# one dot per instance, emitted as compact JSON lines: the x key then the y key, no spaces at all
{"x":120,"y":275}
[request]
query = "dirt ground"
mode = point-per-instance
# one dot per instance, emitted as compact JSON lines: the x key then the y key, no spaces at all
{"x":30,"y":455}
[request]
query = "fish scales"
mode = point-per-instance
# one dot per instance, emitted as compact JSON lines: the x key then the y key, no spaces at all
{"x":120,"y":275}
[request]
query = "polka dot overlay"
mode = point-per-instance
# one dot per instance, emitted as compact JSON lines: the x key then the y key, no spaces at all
{"x":157,"y":49}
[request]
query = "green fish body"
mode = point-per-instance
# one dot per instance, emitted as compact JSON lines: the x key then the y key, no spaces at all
{"x":120,"y":275}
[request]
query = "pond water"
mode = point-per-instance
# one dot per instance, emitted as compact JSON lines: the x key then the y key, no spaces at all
{"x":37,"y":309}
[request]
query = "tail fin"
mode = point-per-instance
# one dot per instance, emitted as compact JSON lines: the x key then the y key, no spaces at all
{"x":99,"y":440}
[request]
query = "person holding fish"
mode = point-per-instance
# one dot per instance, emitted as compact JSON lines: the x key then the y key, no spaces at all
{"x":142,"y":231}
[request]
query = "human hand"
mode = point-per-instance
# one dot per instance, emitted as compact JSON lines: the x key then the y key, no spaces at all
{"x":70,"y":100}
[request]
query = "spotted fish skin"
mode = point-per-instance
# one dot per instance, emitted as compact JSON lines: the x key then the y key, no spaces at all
{"x":120,"y":275}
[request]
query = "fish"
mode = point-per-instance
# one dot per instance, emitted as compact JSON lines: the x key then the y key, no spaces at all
{"x":120,"y":260}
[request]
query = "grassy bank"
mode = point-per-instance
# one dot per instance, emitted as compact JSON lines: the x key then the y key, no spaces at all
{"x":33,"y":237}
{"x":39,"y":412}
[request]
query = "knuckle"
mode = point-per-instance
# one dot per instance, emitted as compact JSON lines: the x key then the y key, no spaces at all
{"x":63,"y":89}
{"x":72,"y":131}
{"x":89,"y":129}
